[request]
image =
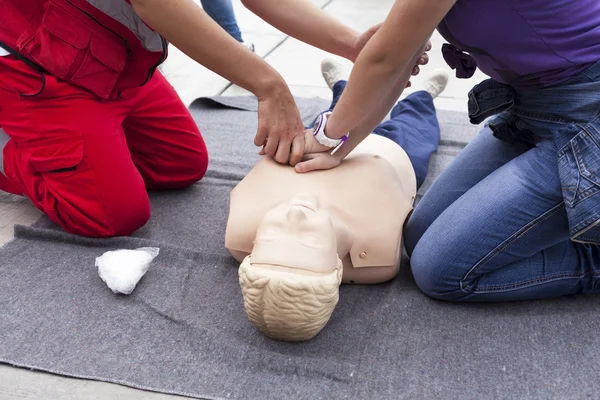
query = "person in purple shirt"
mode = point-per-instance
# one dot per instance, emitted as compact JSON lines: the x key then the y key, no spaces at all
{"x":517,"y":215}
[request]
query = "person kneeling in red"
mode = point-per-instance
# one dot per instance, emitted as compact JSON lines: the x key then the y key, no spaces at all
{"x":86,"y":124}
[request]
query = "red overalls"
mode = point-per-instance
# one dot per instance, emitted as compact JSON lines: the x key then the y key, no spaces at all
{"x":86,"y":123}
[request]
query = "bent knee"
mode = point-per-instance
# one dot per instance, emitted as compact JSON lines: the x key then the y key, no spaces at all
{"x":434,"y":272}
{"x":181,"y":173}
{"x":127,"y":216}
{"x":117,"y":213}
{"x":198,"y":165}
{"x":415,"y":227}
{"x":196,"y":161}
{"x":192,"y":171}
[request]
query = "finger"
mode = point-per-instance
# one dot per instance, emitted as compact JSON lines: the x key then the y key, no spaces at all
{"x":307,"y":166}
{"x":282,"y":154}
{"x":298,"y":147}
{"x":261,"y":135}
{"x":271,"y":145}
{"x":428,"y":46}
{"x":408,"y":84}
{"x":314,"y":164}
{"x":262,"y":151}
{"x":424,"y":59}
{"x":416,"y":70}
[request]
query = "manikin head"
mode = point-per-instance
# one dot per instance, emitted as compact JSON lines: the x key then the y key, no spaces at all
{"x":290,"y":281}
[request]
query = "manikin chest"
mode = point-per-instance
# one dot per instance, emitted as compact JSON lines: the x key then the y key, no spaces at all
{"x":366,"y":193}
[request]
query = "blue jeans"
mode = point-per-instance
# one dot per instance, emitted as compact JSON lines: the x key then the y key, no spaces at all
{"x":494,"y":226}
{"x":413,"y":125}
{"x":221,"y":11}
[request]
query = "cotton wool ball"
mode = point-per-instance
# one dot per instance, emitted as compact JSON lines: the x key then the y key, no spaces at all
{"x":121,"y":270}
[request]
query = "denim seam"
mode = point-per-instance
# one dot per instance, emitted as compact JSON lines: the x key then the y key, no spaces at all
{"x":538,"y":117}
{"x":581,"y":161}
{"x":532,"y":282}
{"x":502,"y":246}
{"x":586,"y":194}
{"x":585,"y":224}
{"x":586,"y":228}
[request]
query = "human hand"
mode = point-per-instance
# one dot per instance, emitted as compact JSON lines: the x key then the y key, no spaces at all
{"x":311,"y":145}
{"x":280,"y":129}
{"x":318,"y":161}
{"x":422,"y":60}
{"x":364,"y":38}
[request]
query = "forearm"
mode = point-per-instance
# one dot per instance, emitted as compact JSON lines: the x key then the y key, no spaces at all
{"x":191,"y":30}
{"x":303,"y":20}
{"x":393,"y":48}
{"x":371,"y":121}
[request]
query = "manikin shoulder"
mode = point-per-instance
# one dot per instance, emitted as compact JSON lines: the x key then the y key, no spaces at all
{"x":371,"y":192}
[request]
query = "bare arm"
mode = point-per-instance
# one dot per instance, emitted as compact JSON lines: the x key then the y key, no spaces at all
{"x":371,"y":121}
{"x":322,"y":159}
{"x":303,"y":20}
{"x":391,"y":49}
{"x":190,"y":29}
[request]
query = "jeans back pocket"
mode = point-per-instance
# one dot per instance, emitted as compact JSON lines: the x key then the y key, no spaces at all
{"x":579,"y":165}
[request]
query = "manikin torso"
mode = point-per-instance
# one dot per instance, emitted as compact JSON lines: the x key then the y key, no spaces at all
{"x":368,"y":196}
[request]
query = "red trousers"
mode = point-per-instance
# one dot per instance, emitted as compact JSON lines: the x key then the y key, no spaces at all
{"x":87,"y":163}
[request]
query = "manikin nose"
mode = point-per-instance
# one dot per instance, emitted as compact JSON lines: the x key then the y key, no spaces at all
{"x":296,"y":214}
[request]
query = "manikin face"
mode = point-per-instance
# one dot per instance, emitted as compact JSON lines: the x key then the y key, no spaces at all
{"x":297,"y":235}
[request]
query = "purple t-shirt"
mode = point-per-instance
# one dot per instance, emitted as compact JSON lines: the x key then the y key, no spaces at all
{"x":526,"y":42}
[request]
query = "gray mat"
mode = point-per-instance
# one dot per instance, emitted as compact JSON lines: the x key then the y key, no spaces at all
{"x":184,"y":330}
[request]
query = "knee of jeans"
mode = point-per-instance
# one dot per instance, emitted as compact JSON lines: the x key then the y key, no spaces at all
{"x":415,"y":227}
{"x":433,"y":271}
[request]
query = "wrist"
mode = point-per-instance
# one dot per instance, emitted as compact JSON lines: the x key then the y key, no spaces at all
{"x":332,"y":130}
{"x":271,"y":85}
{"x":321,"y":136}
{"x":352,"y":46}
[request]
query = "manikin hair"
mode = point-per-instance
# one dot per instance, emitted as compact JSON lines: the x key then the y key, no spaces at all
{"x":287,"y":306}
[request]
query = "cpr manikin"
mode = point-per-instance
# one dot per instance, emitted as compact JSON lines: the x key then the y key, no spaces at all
{"x":299,"y":236}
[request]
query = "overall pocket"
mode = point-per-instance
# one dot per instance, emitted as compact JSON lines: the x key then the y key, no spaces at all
{"x":102,"y":65}
{"x":58,"y":43}
{"x":55,"y":155}
{"x":579,"y":165}
{"x":76,"y":49}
